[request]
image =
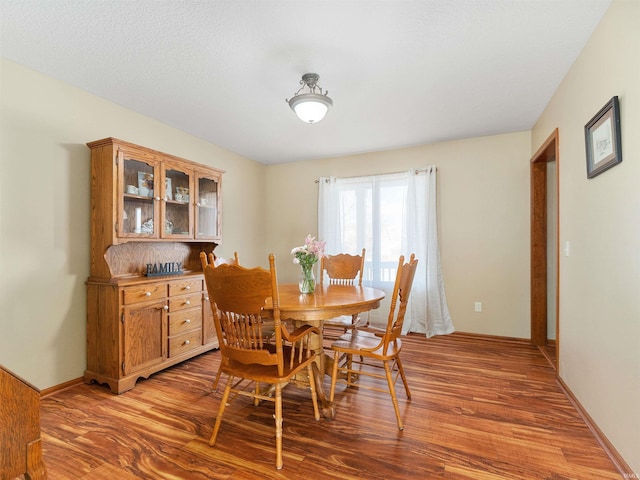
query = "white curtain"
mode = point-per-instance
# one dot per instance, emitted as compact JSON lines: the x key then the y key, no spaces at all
{"x":390,"y":215}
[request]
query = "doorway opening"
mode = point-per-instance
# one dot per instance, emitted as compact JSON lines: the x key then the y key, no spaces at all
{"x":544,"y":249}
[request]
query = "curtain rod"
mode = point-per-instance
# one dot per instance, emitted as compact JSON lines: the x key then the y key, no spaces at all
{"x":415,"y":172}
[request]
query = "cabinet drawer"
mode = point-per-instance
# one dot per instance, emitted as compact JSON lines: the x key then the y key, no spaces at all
{"x":144,"y":293}
{"x":180,"y":287}
{"x":185,"y":301}
{"x":185,"y":342}
{"x":185,"y":320}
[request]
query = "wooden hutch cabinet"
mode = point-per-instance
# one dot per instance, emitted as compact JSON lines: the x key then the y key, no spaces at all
{"x":147,"y":305}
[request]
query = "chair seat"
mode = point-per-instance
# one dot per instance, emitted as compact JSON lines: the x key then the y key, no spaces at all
{"x":346,"y":322}
{"x":343,"y":321}
{"x":371,"y":331}
{"x":269,"y":373}
{"x":358,"y":341}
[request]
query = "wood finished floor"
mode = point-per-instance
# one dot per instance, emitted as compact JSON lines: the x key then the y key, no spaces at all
{"x":479,"y":410}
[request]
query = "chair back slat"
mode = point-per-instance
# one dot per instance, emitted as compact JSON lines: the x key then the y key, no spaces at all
{"x":342,"y":269}
{"x":242,"y":331}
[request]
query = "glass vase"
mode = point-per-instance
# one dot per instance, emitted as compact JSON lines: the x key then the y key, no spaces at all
{"x":307,"y":281}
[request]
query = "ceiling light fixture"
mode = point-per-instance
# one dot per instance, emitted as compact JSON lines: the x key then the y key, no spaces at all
{"x":312,"y":106}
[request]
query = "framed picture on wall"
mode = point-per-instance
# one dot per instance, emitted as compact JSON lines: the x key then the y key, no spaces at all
{"x":602,"y":138}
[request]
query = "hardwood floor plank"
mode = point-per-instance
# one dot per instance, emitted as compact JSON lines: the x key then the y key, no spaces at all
{"x":479,"y":410}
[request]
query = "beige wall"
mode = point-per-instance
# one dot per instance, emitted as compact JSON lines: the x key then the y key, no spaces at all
{"x":483,"y":196}
{"x":44,"y":216}
{"x":44,"y":213}
{"x":599,"y":303}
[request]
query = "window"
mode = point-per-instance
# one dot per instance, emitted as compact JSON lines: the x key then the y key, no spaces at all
{"x":389,"y":215}
{"x":372,"y":216}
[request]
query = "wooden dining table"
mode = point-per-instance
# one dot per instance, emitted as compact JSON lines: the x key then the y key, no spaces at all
{"x":327,"y":302}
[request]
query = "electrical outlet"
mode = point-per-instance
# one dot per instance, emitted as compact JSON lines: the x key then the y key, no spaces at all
{"x":478,"y":306}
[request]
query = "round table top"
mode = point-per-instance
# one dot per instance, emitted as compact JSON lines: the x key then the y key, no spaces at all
{"x":328,"y":301}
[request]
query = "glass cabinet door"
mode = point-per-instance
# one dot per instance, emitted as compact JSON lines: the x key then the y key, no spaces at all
{"x":177,"y":203}
{"x":207,"y":206}
{"x":166,"y":199}
{"x":137,"y":212}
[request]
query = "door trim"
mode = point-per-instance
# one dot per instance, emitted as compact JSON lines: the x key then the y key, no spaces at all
{"x":548,"y":152}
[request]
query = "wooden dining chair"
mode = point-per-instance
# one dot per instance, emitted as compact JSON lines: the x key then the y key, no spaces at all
{"x":377,"y":349}
{"x":212,"y":259}
{"x":342,"y":269}
{"x":239,"y":296}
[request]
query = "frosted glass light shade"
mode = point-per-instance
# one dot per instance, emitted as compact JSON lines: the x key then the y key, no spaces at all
{"x":310,"y":107}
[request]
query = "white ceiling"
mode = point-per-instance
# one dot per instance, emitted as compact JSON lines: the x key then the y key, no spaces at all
{"x":400,"y":73}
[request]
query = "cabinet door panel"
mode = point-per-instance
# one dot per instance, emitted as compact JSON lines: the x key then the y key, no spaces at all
{"x":178,"y":210}
{"x":137,"y":215}
{"x":207,"y":204}
{"x":144,"y":331}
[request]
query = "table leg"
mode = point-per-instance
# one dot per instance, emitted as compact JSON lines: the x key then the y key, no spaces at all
{"x":319,"y":371}
{"x":327,"y":407}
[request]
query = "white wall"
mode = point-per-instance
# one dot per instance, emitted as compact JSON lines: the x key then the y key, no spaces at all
{"x":599,"y":313}
{"x":44,"y":213}
{"x":483,"y":197}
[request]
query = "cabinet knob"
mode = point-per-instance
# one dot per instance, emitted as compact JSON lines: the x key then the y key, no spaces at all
{"x":188,"y":320}
{"x":166,"y":307}
{"x":147,"y":294}
{"x":188,"y":302}
{"x":157,"y":198}
{"x":187,"y":342}
{"x":198,"y":204}
{"x":188,"y":287}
